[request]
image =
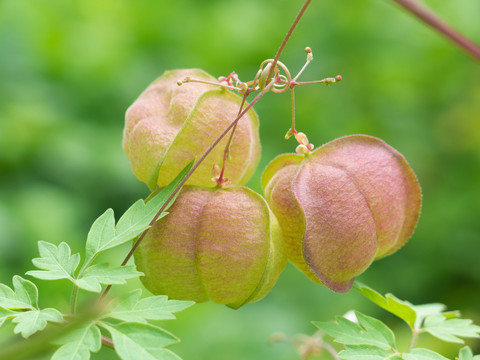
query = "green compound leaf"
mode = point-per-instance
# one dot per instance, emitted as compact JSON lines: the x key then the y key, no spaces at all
{"x":24,"y":295}
{"x":368,"y":331}
{"x":55,"y":262}
{"x":131,"y":309}
{"x":94,"y":276}
{"x":422,"y":354}
{"x":78,"y":344}
{"x":366,"y":352}
{"x":450,"y":330}
{"x":403,"y":309}
{"x":30,"y":322}
{"x":104,"y":235}
{"x":141,"y":341}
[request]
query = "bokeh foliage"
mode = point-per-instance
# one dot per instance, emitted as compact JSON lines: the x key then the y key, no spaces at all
{"x":69,"y":70}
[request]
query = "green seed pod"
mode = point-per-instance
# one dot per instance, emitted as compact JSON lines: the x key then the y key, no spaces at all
{"x":169,"y":125}
{"x":349,"y":202}
{"x":223,"y":245}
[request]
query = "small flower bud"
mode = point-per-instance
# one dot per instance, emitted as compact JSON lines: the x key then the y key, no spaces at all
{"x":302,"y":150}
{"x":301,"y":138}
{"x":289,"y":134}
{"x":309,"y":52}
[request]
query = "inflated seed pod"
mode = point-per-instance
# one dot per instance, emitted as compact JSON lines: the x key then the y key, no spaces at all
{"x":169,"y":125}
{"x":349,"y":202}
{"x":222,"y":245}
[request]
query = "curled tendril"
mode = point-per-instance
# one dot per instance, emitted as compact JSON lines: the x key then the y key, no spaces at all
{"x":281,"y":81}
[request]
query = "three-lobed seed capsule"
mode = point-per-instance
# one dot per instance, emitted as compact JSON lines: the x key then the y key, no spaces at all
{"x":169,"y":125}
{"x":349,"y":202}
{"x":223,"y":245}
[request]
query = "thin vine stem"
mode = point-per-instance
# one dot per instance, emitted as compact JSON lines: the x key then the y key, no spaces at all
{"x":292,"y":91}
{"x":413,"y":339}
{"x":428,"y":17}
{"x":74,"y":299}
{"x":330,"y":349}
{"x":227,"y":147}
{"x":194,"y":167}
{"x":287,"y":37}
{"x":107,"y":342}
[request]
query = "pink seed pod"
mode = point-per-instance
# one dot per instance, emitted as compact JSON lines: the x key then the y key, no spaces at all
{"x":223,"y":245}
{"x":169,"y":125}
{"x":346,"y":204}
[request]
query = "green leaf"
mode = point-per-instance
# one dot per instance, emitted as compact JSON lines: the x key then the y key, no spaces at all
{"x":24,"y":295}
{"x":451,"y":330}
{"x":369,"y":331}
{"x":30,"y":322}
{"x":101,"y":236}
{"x":78,"y":344}
{"x":376,"y":328}
{"x":422,"y":354}
{"x":25,"y":290}
{"x":55,"y":262}
{"x":92,"y":278}
{"x":426,"y":310}
{"x":131,"y":309}
{"x":104,"y":235}
{"x":139,"y":215}
{"x":6,"y":314}
{"x":141,"y":341}
{"x":403,"y":309}
{"x":465,"y":354}
{"x":364,"y":352}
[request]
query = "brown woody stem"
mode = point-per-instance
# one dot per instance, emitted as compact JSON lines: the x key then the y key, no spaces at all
{"x":428,"y":17}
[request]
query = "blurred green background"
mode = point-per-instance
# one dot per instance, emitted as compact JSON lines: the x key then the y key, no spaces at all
{"x":69,"y":70}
